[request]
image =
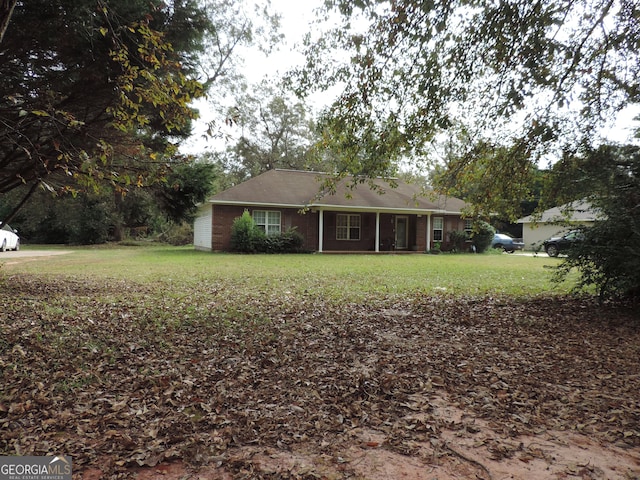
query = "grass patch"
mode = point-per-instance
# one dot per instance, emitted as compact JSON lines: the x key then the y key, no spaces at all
{"x":331,"y":276}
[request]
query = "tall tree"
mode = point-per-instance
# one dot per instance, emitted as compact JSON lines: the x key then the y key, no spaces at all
{"x":467,"y":170}
{"x":89,"y":85}
{"x":275,"y":132}
{"x":101,"y":90}
{"x":534,"y":76}
{"x":187,"y":186}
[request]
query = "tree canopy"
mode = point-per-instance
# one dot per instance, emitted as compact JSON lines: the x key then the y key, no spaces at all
{"x":276,"y":131}
{"x":529,"y":78}
{"x":101,"y":91}
{"x":90,"y":85}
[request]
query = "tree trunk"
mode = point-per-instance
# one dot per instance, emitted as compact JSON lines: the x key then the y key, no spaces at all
{"x":6,"y":9}
{"x":10,"y":217}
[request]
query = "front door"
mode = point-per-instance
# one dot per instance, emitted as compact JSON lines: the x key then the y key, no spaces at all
{"x":402,"y":233}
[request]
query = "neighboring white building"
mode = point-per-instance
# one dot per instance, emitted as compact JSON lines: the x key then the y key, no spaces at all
{"x":535,"y":231}
{"x":202,"y":228}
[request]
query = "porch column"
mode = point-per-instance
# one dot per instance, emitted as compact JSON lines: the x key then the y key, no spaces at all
{"x":428,"y":231}
{"x":320,"y":229}
{"x":377,"y":231}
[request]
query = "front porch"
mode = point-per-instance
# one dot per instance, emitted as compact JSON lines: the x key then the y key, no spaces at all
{"x":385,"y":232}
{"x":371,"y":252}
{"x":372,"y":232}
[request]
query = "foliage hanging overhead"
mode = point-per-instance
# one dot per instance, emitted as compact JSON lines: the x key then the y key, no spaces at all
{"x":529,"y":75}
{"x":93,"y":90}
{"x":101,"y":91}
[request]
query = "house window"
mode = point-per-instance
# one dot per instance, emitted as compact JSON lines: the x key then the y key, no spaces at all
{"x":347,"y":227}
{"x":468,"y":226}
{"x":438,"y":227}
{"x":268,"y":221}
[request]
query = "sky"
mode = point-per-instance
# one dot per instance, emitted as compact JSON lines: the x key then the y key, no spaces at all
{"x":296,"y":17}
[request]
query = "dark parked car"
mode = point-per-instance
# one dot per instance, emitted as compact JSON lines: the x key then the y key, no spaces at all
{"x":555,"y":245}
{"x":505,"y":242}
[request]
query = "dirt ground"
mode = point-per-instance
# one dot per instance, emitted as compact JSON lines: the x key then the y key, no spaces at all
{"x":11,"y":258}
{"x":469,"y":449}
{"x":133,"y":382}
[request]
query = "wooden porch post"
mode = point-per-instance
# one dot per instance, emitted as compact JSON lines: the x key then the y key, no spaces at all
{"x":428,"y":231}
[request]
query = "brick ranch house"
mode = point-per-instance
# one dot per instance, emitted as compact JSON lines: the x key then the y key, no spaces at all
{"x":348,"y":220}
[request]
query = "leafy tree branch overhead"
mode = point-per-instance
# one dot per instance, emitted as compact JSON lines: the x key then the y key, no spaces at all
{"x":99,"y":91}
{"x":89,"y":86}
{"x":533,"y":77}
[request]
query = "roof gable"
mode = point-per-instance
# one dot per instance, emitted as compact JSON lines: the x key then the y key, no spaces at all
{"x":578,"y":211}
{"x":298,"y":189}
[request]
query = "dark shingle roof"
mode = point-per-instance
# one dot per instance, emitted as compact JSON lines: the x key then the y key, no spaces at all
{"x":293,"y":188}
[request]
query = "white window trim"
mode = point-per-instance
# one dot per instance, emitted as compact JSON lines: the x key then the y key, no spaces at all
{"x":468,"y":226}
{"x":349,"y":216}
{"x":441,"y":229}
{"x":267,"y":224}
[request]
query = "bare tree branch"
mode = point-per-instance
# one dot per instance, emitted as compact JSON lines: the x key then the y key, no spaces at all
{"x":6,"y":10}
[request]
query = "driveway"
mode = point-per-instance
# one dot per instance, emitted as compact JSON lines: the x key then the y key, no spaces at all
{"x":531,"y":254}
{"x":8,"y":256}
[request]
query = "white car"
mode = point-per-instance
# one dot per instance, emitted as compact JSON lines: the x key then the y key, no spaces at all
{"x":9,"y":239}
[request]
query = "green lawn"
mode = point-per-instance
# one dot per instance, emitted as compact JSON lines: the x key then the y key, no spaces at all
{"x":339,"y":276}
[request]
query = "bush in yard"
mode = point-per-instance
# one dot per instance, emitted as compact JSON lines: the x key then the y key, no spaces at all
{"x":608,"y":257}
{"x":289,"y":241}
{"x":482,"y":236}
{"x":246,"y":237}
{"x":293,"y":241}
{"x":458,"y":239}
{"x":608,"y":265}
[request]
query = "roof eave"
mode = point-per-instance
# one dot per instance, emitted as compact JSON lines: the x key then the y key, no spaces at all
{"x":338,"y":208}
{"x":418,"y":211}
{"x":255,"y":204}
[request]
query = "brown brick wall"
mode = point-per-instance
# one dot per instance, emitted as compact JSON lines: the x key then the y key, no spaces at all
{"x":451,"y":223}
{"x":367,"y":234}
{"x":307,"y":225}
{"x":224,"y":215}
